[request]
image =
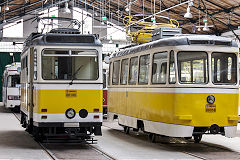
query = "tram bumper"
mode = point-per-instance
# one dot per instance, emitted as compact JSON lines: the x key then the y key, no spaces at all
{"x":230,"y":131}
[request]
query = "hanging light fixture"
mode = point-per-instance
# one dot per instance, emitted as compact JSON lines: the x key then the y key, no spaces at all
{"x":205,"y":28}
{"x":111,"y":41}
{"x":189,"y":14}
{"x":7,"y":8}
{"x":66,"y":9}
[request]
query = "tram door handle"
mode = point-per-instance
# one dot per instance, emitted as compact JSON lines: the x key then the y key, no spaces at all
{"x":126,"y":93}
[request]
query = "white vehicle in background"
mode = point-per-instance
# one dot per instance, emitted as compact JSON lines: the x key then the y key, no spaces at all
{"x":11,"y":86}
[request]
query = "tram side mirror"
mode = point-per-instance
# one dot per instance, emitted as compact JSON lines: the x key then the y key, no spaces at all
{"x":107,"y":59}
{"x":154,"y":70}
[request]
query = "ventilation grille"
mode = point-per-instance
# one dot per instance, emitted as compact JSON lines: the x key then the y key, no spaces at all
{"x":70,"y":39}
{"x":210,"y":42}
{"x":65,"y":31}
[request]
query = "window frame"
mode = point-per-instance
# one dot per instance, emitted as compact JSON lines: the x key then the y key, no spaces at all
{"x":236,"y":82}
{"x":136,"y":83}
{"x":207,"y":68}
{"x":128,"y":60}
{"x":175,"y":69}
{"x":148,"y":68}
{"x":118,"y":72}
{"x":160,"y":68}
{"x":61,"y":55}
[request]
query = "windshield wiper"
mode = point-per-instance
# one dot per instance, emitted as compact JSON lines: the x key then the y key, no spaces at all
{"x":70,"y":83}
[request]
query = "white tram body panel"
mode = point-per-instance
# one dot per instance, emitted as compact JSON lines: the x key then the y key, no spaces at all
{"x":11,"y":85}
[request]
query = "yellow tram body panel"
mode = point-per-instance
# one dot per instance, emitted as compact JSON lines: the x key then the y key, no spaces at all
{"x":58,"y":101}
{"x":189,"y":109}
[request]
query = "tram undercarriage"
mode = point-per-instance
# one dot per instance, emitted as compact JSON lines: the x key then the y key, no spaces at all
{"x":57,"y":132}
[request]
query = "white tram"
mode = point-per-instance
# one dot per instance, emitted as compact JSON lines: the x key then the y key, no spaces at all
{"x":182,"y":86}
{"x":11,"y":86}
{"x":62,"y":85}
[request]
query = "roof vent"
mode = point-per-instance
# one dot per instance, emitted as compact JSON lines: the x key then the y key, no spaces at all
{"x":165,"y":33}
{"x":65,"y":31}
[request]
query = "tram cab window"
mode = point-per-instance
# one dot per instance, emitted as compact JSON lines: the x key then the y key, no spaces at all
{"x":192,"y":67}
{"x":144,"y":69}
{"x":115,"y":74}
{"x":60,"y":65}
{"x":124,"y":71}
{"x":14,"y":81}
{"x":133,"y":70}
{"x":224,"y":68}
{"x":159,"y":69}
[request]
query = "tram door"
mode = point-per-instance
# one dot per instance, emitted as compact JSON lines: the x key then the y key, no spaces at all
{"x":30,"y":92}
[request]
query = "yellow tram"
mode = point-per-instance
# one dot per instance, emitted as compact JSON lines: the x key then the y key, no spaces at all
{"x":61,"y":85}
{"x":182,"y":86}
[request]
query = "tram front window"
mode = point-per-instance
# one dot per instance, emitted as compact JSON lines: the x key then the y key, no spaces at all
{"x":69,"y":65}
{"x":224,"y":68}
{"x":14,"y":81}
{"x":192,"y":67}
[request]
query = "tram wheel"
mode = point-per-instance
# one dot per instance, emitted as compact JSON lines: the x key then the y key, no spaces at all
{"x":126,"y":129}
{"x":152,"y":137}
{"x":197,"y":138}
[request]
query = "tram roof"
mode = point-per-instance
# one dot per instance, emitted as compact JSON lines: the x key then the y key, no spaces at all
{"x":63,"y":38}
{"x":178,"y":40}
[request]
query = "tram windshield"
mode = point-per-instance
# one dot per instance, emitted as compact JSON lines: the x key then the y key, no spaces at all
{"x":224,"y":68}
{"x":70,"y":65}
{"x":14,"y":81}
{"x":193,"y":67}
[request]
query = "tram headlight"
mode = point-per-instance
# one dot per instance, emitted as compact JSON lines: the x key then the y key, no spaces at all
{"x":70,"y":113}
{"x":211,"y":99}
{"x":83,"y":113}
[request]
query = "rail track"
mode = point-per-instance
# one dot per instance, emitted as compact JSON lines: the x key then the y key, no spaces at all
{"x":53,"y":157}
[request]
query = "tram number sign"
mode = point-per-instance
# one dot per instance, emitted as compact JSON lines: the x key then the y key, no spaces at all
{"x":71,"y":93}
{"x":210,"y":108}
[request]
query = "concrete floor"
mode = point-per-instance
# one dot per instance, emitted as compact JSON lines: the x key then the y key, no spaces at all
{"x":15,"y":143}
{"x":136,"y":146}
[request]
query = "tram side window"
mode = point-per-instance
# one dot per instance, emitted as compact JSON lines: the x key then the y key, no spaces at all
{"x":159,"y":68}
{"x":144,"y":69}
{"x":133,"y":70}
{"x":224,"y":68}
{"x":124,"y":72}
{"x":192,"y":67}
{"x":115,"y":74}
{"x":172,"y":73}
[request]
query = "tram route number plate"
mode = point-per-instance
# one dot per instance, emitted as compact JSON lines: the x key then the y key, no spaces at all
{"x":71,"y":93}
{"x":210,"y":108}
